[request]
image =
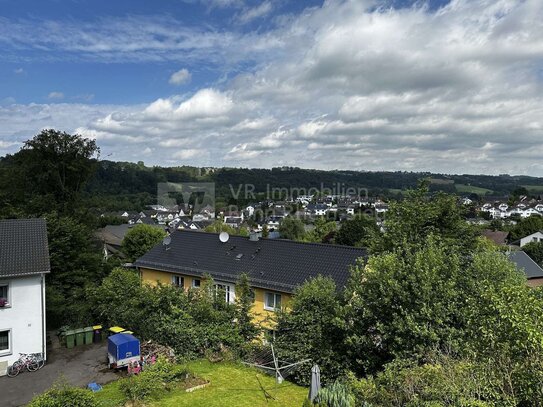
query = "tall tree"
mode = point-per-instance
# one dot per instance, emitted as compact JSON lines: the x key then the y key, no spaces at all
{"x":291,"y":228}
{"x":354,"y":231}
{"x":408,"y":303}
{"x":52,"y":168}
{"x":313,"y":328}
{"x":408,"y":223}
{"x":244,"y":303}
{"x":140,"y":239}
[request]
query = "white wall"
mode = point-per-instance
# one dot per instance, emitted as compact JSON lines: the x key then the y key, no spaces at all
{"x":528,"y":239}
{"x":23,"y":317}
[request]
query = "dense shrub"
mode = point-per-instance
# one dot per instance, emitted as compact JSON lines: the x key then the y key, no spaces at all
{"x":192,"y":323}
{"x":336,"y":394}
{"x":314,"y":328}
{"x":444,"y":381}
{"x":63,"y":395}
{"x":153,"y":381}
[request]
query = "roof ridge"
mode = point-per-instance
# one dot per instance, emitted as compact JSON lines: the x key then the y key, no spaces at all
{"x":277,"y":240}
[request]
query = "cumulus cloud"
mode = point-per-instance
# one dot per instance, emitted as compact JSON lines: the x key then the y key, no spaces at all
{"x":349,"y":85}
{"x":180,"y":77}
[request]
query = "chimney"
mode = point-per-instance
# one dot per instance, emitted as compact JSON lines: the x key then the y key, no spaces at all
{"x":253,"y":237}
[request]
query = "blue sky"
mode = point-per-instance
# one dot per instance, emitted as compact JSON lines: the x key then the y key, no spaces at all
{"x":359,"y":84}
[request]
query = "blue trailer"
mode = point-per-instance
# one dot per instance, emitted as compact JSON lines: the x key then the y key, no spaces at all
{"x":122,"y":350}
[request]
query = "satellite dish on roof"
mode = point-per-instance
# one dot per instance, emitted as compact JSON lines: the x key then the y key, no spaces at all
{"x":167,"y":240}
{"x":223,"y":237}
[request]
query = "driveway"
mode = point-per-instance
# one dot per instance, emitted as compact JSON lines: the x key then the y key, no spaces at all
{"x":78,"y":366}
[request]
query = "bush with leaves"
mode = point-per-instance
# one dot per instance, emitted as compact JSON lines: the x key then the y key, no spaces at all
{"x":313,"y":328}
{"x":140,"y":239}
{"x":442,"y":381}
{"x":63,"y":395}
{"x":337,"y":394}
{"x":292,"y":228}
{"x":192,"y":323}
{"x":153,"y":382}
{"x":535,"y":251}
{"x":356,"y":231}
{"x":407,"y":304}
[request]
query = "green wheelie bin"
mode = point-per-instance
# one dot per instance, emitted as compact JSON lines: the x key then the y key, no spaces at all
{"x":70,"y":338}
{"x":89,"y":335}
{"x":79,"y":337}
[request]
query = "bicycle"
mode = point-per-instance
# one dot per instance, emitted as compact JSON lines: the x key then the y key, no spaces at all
{"x":27,"y":361}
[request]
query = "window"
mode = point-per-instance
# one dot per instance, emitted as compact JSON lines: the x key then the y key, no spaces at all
{"x":4,"y":294}
{"x":178,"y":281}
{"x":272,"y":301}
{"x":196,"y":283}
{"x":228,"y":291}
{"x":5,"y":342}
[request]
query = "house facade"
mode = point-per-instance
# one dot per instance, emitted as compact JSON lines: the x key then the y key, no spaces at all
{"x":533,"y":238}
{"x":275,"y":267}
{"x":24,"y":261}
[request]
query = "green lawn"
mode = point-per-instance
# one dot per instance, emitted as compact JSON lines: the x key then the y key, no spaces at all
{"x":534,"y":188}
{"x":468,"y":189}
{"x":231,"y":385}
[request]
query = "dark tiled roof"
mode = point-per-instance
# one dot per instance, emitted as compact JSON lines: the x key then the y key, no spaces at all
{"x":497,"y":236}
{"x":278,"y":265}
{"x":23,"y":247}
{"x":526,"y":264}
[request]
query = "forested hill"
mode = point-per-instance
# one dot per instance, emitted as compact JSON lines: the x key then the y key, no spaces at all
{"x":122,"y":178}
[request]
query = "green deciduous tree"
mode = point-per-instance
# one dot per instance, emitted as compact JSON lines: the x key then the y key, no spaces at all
{"x":323,"y":231}
{"x":291,"y":228}
{"x":244,"y":303}
{"x":535,"y":251}
{"x":51,"y":170}
{"x":409,"y":222}
{"x":406,"y":304}
{"x":354,"y":232}
{"x":75,"y":263}
{"x":313,"y":329}
{"x":526,"y":227}
{"x":140,"y":239}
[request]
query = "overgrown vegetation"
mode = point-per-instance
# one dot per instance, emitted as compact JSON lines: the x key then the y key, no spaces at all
{"x":435,"y":317}
{"x":193,"y":323}
{"x":62,"y":395}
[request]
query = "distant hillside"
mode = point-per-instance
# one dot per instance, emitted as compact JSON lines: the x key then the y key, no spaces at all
{"x":128,"y":180}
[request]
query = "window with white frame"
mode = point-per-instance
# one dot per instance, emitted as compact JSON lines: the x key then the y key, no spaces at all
{"x":5,"y":341}
{"x":227,"y":289}
{"x":196,"y":283}
{"x":5,"y":299}
{"x":178,"y":281}
{"x":272,"y":301}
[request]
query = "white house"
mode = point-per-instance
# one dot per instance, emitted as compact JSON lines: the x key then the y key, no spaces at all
{"x":534,"y":237}
{"x":24,"y":261}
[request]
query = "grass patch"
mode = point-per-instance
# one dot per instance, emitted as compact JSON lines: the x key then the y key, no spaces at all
{"x":231,"y":385}
{"x":470,"y":189}
{"x":534,"y":188}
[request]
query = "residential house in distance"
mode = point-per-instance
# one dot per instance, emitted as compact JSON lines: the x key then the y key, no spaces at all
{"x":533,"y":271}
{"x":24,"y":261}
{"x":275,"y":267}
{"x":534,"y":237}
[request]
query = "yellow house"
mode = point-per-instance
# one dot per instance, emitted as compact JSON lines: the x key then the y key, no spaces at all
{"x":275,"y":267}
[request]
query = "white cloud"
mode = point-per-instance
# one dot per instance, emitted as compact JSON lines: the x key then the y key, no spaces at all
{"x":18,"y":71}
{"x":347,"y":85}
{"x":180,"y":77}
{"x":56,"y":95}
{"x":190,"y":153}
{"x":253,"y":13}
